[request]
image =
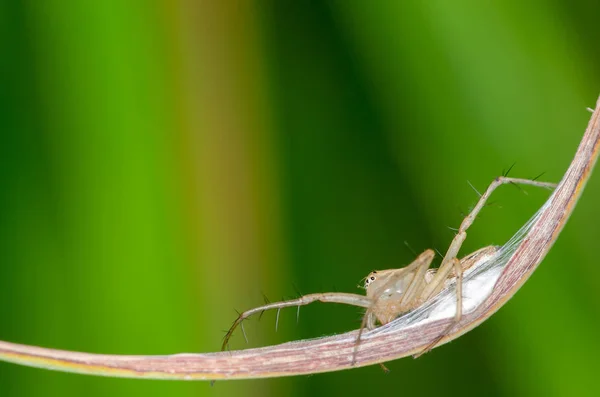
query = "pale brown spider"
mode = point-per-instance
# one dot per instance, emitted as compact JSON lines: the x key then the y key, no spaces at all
{"x":391,"y":293}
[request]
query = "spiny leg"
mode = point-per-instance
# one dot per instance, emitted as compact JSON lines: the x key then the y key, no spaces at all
{"x":450,"y":259}
{"x":461,"y":235}
{"x":457,"y":315}
{"x":459,"y":268}
{"x":328,"y":297}
{"x":411,"y":295}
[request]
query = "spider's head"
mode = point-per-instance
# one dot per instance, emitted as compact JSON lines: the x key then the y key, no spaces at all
{"x":370,"y":278}
{"x":385,"y":284}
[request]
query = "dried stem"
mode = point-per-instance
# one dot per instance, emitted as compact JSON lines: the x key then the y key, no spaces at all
{"x":335,"y":353}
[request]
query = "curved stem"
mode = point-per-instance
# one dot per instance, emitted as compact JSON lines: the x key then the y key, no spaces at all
{"x":334,"y":353}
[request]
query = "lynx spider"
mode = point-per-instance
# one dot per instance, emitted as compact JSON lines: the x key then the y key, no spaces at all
{"x":393,"y":292}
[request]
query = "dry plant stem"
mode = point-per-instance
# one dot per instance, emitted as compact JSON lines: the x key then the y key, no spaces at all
{"x":335,"y":352}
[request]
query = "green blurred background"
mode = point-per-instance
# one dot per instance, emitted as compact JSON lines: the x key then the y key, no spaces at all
{"x":162,"y":163}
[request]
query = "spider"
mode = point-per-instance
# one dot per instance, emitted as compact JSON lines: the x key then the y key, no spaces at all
{"x":393,"y":292}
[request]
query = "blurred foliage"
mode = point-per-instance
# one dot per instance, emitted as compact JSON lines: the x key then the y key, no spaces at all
{"x":164,"y":162}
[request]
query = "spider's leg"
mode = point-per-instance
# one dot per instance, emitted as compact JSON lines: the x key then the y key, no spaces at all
{"x":450,"y":259}
{"x":457,"y":315}
{"x":412,"y":293}
{"x":461,"y":235}
{"x":328,"y":297}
